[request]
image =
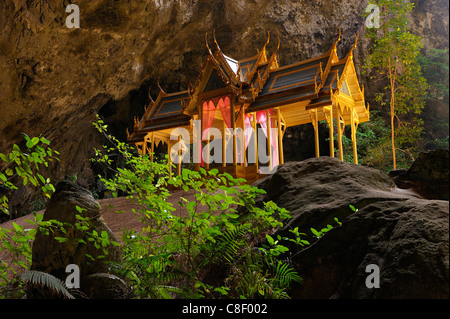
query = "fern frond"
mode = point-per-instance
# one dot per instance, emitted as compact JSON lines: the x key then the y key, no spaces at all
{"x":229,"y":243}
{"x":283,"y":273}
{"x":44,"y":279}
{"x":164,"y":290}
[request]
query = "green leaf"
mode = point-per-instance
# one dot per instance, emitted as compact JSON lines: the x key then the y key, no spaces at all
{"x":44,"y":140}
{"x":61,"y":239}
{"x":17,"y":227}
{"x":315,"y":232}
{"x":232,"y":215}
{"x":32,"y":142}
{"x":270,"y":240}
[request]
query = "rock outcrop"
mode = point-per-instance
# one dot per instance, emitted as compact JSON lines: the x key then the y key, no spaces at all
{"x":53,"y":80}
{"x":52,"y":256}
{"x":428,"y":175}
{"x":405,"y":235}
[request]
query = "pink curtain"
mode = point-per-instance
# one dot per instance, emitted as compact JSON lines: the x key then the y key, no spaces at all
{"x":261,"y":117}
{"x":208,"y":111}
{"x":248,"y":128}
{"x":207,"y":118}
{"x":224,"y":107}
{"x":223,"y":104}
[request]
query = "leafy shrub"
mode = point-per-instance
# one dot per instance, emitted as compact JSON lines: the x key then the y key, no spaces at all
{"x":21,"y":166}
{"x":201,"y":248}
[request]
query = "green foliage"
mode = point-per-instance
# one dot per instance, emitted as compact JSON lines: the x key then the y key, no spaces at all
{"x":434,"y":64}
{"x":21,"y":167}
{"x":215,"y":242}
{"x":24,"y":165}
{"x":395,"y":55}
{"x":180,"y":246}
{"x":435,"y":68}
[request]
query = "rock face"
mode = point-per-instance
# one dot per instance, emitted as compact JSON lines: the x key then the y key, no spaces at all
{"x":53,"y":80}
{"x":428,"y":175}
{"x":407,"y":237}
{"x":51,"y":256}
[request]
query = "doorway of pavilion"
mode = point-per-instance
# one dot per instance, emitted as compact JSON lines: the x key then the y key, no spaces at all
{"x":245,"y":153}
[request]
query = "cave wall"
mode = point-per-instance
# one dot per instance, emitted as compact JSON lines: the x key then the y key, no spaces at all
{"x":53,"y":80}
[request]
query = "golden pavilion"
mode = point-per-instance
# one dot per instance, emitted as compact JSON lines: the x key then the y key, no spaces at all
{"x":236,"y":113}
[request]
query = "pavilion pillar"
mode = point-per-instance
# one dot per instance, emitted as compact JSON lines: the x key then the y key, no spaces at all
{"x":152,"y":148}
{"x":353,"y":127}
{"x":233,"y":126}
{"x":244,"y":159}
{"x":208,"y":150}
{"x":339,"y":131}
{"x":269,"y":148}
{"x":329,"y":116}
{"x":199,"y":138}
{"x":144,"y":147}
{"x":255,"y":140}
{"x":169,"y":160}
{"x":224,"y":144}
{"x":280,"y":138}
{"x":315,"y":123}
{"x":179,"y":156}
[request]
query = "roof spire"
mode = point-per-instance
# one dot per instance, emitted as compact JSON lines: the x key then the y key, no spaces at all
{"x":160,"y":88}
{"x":207,"y":45}
{"x":350,"y":53}
{"x":150,"y":97}
{"x":215,"y":41}
{"x":267,"y":41}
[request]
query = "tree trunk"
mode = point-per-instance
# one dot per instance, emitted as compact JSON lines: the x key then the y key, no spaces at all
{"x":392,"y":104}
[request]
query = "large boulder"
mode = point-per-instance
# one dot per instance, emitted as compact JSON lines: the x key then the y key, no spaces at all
{"x":51,"y":256}
{"x":428,"y":174}
{"x":405,"y":235}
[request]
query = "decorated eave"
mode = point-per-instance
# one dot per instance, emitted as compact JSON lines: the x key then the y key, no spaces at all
{"x":312,"y":84}
{"x":166,"y":112}
{"x":296,"y":82}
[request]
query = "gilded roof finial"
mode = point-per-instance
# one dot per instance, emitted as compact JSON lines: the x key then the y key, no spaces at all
{"x":215,"y":41}
{"x":150,"y":97}
{"x":336,"y":42}
{"x":350,"y":53}
{"x":267,"y":41}
{"x":160,"y":88}
{"x":278,"y":44}
{"x":207,"y":45}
